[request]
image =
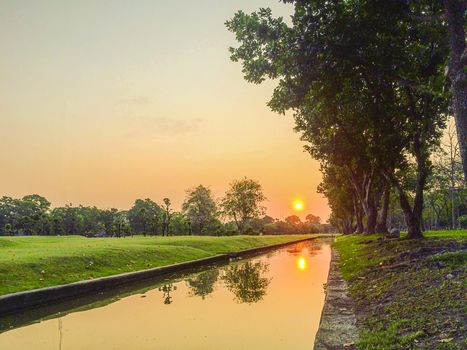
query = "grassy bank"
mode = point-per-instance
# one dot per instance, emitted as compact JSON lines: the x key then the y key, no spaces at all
{"x":38,"y":261}
{"x":408,"y":293}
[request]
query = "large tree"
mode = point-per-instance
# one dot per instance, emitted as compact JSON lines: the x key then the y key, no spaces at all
{"x":345,"y":209}
{"x":366,"y":87}
{"x":200,"y":208}
{"x":28,"y":215}
{"x":242,"y":202}
{"x":146,"y":217}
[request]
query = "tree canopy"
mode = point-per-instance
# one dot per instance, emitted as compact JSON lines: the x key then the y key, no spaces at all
{"x":242,"y":202}
{"x":366,"y":83}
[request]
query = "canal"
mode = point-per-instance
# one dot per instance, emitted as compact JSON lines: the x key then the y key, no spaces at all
{"x":271,"y":301}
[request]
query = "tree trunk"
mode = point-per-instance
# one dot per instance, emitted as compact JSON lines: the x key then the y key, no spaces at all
{"x":382,"y":226}
{"x":455,"y":11}
{"x":413,"y":216}
{"x":237,"y":223}
{"x":347,"y":226}
{"x":413,"y":226}
{"x":364,"y":188}
{"x":371,"y":217}
{"x":453,"y":209}
{"x":373,"y":199}
{"x":437,"y":217}
{"x":358,"y":215}
{"x":422,"y":158}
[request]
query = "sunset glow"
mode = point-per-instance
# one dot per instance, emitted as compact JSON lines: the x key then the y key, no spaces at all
{"x":128,"y":79}
{"x":298,"y":205}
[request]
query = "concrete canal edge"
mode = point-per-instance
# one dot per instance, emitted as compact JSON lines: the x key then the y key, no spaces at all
{"x":14,"y":302}
{"x":337,"y":328}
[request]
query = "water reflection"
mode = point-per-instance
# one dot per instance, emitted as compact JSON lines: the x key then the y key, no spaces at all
{"x":301,"y":263}
{"x":203,"y":284}
{"x":247,"y":281}
{"x":167,"y":289}
{"x":312,"y":248}
{"x":296,"y":249}
{"x":187,"y":309}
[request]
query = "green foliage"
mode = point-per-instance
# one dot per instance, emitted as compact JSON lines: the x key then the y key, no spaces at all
{"x":365,"y":81}
{"x":146,"y":217}
{"x":242,"y":202}
{"x":341,"y":197}
{"x":25,"y":216}
{"x":179,"y":224}
{"x":200,"y":208}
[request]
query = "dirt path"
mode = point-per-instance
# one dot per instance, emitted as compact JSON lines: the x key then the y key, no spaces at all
{"x":337,"y":329}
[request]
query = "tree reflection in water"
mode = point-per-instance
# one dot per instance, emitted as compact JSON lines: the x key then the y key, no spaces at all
{"x":166,"y":289}
{"x":247,"y":281}
{"x":203,"y":283}
{"x":310,"y":247}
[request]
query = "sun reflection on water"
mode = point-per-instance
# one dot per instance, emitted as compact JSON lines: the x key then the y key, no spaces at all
{"x":301,"y":263}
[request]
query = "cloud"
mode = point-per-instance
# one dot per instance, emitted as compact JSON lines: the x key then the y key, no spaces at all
{"x":141,"y":100}
{"x":157,"y":126}
{"x":176,"y":126}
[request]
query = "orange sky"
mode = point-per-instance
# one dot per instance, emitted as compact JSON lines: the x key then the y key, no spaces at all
{"x":102,"y":103}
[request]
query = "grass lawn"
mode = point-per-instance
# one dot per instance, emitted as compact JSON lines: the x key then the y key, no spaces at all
{"x":40,"y":261}
{"x":408,"y":294}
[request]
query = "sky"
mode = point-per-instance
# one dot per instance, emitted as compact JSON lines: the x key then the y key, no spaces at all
{"x":104,"y":102}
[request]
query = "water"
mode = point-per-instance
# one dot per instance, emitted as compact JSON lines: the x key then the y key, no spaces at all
{"x":272,"y":301}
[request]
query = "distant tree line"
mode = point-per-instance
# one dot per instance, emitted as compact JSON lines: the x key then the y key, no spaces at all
{"x":239,"y":212}
{"x":372,"y":85}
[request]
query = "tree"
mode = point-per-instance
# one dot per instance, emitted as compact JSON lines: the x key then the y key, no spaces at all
{"x":293,"y":220}
{"x":365,"y":83}
{"x":446,"y":185}
{"x":242,"y":202}
{"x":32,"y":214}
{"x":145,"y":217}
{"x":67,"y":220}
{"x":108,"y":218}
{"x":7,"y":212}
{"x":120,"y":225}
{"x":200,"y":208}
{"x":346,"y":210}
{"x":265,"y":220}
{"x":455,"y":13}
{"x":313,"y":219}
{"x":452,"y":165}
{"x":179,"y":224}
{"x":166,"y":217}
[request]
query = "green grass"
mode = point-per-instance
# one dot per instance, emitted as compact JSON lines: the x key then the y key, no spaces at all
{"x":39,"y":261}
{"x":408,"y":293}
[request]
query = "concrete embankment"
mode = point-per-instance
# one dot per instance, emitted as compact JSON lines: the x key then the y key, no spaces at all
{"x":337,"y":329}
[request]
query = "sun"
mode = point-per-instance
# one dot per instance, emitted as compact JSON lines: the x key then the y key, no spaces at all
{"x":298,"y":205}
